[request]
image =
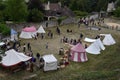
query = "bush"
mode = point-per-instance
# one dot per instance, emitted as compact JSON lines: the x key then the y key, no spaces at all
{"x":35,"y":15}
{"x":117,"y":12}
{"x":59,"y":20}
{"x":80,"y":13}
{"x":4,"y":29}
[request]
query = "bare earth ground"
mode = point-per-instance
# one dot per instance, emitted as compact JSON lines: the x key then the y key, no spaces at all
{"x":53,"y":48}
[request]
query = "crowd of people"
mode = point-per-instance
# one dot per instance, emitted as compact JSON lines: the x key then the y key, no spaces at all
{"x":90,"y":21}
{"x":65,"y":58}
{"x":70,"y":40}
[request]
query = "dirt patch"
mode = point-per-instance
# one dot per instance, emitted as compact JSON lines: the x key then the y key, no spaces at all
{"x":2,"y":75}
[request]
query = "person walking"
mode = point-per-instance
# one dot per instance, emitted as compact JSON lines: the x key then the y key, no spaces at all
{"x":46,"y":24}
{"x":29,"y":46}
{"x":31,"y":66}
{"x":24,"y":47}
{"x":51,"y":35}
{"x":46,"y":45}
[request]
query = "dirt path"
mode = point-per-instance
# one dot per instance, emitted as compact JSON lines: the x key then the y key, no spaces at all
{"x":112,"y":23}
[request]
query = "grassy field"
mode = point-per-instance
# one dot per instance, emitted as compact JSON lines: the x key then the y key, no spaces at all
{"x":105,"y":66}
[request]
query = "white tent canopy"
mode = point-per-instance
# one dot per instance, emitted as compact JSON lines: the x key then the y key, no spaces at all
{"x":108,"y":40}
{"x":50,"y":62}
{"x":41,"y":30}
{"x":12,"y":58}
{"x":89,"y":40}
{"x":95,"y":47}
{"x":25,"y":35}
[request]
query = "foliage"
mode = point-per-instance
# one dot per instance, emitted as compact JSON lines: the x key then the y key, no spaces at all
{"x":11,"y":10}
{"x":16,"y":10}
{"x":35,"y":8}
{"x":35,"y":4}
{"x":117,"y":12}
{"x":80,"y":13}
{"x":118,"y":3}
{"x":35,"y":15}
{"x":59,"y":20}
{"x":0,"y":58}
{"x":4,"y":29}
{"x":2,"y":7}
{"x":1,"y":16}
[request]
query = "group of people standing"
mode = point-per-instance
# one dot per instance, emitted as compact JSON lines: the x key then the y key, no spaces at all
{"x":90,"y":21}
{"x":72,"y":41}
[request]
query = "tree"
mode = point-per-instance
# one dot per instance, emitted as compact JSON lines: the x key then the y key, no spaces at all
{"x":74,"y":5}
{"x":2,"y":5}
{"x":16,"y":10}
{"x":102,"y":4}
{"x":36,"y":10}
{"x":117,"y":12}
{"x":35,"y":15}
{"x":4,"y":29}
{"x":35,"y":4}
{"x":118,"y":3}
{"x":2,"y":8}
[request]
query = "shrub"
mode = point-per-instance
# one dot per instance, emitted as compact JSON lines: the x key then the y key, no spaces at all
{"x":59,"y":20}
{"x":80,"y":13}
{"x":4,"y":29}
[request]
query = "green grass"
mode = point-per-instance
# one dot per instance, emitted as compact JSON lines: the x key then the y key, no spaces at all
{"x":98,"y":67}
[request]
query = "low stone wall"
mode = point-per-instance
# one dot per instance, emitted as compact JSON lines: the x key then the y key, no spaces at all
{"x":18,"y":26}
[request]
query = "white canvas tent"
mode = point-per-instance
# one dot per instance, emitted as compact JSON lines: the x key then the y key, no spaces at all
{"x":89,"y":40}
{"x":28,"y":32}
{"x":95,"y":47}
{"x":108,"y":40}
{"x":32,"y":33}
{"x":41,"y":30}
{"x":50,"y":62}
{"x":25,"y":35}
{"x":12,"y":58}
